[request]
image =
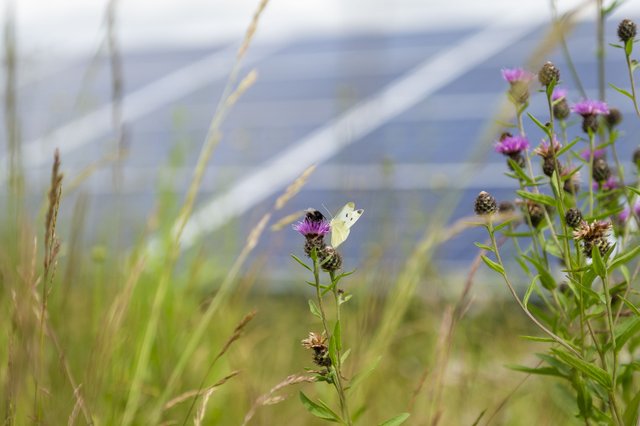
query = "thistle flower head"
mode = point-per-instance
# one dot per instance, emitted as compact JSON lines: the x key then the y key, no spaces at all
{"x":315,"y":341}
{"x":597,"y":153}
{"x":546,"y":149}
{"x":310,"y":227}
{"x":594,"y":234}
{"x":516,"y":75}
{"x":590,"y":107}
{"x":511,"y":145}
{"x":609,"y":184}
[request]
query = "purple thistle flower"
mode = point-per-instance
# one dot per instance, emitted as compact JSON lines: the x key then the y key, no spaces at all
{"x":590,"y":107}
{"x":624,"y":214}
{"x":515,"y":75}
{"x":558,"y":93}
{"x":512,"y":145}
{"x":586,"y":154}
{"x":309,"y":227}
{"x":608,"y":185}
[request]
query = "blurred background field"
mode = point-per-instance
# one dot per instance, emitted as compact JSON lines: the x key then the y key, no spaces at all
{"x":397,"y":103}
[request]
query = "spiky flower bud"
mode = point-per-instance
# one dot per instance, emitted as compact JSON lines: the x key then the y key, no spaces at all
{"x":535,"y":211}
{"x":561,"y":110}
{"x":613,"y":118}
{"x":330,"y":259}
{"x":548,"y":166}
{"x":600,"y":171}
{"x":573,"y":217}
{"x":485,"y":204}
{"x":636,"y":157}
{"x":506,"y":207}
{"x":590,"y":123}
{"x":548,"y":74}
{"x":626,"y":30}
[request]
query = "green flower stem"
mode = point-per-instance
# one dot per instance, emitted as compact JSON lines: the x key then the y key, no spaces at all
{"x":614,"y":373}
{"x":512,"y":290}
{"x":632,"y":83}
{"x":316,"y":280}
{"x":591,"y":148}
{"x":338,"y":367}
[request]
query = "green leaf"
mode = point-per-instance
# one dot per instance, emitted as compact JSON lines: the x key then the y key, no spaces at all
{"x":493,"y":265}
{"x":344,"y":356}
{"x":624,"y":258}
{"x":621,"y":91}
{"x":626,"y":331}
{"x":520,"y":174}
{"x":591,"y":370}
{"x":344,"y":298}
{"x":630,"y":415}
{"x":546,"y":279}
{"x":301,"y":262}
{"x":634,"y":190}
{"x":503,"y":224}
{"x":484,"y":247}
{"x":544,"y":128}
{"x":530,"y":289}
{"x":396,"y":420}
{"x":567,"y":147}
{"x":538,"y":339}
{"x":630,"y":305}
{"x":598,"y":264}
{"x":318,"y":410}
{"x":337,"y":333}
{"x":314,"y":309}
{"x":540,"y":371}
{"x":538,"y":198}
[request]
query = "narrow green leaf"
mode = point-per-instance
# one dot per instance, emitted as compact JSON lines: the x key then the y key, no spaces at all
{"x":630,"y":305}
{"x":337,"y":333}
{"x":624,"y":258}
{"x":344,"y":356}
{"x":396,"y":420}
{"x":344,"y":298}
{"x":538,"y":198}
{"x":626,"y":331}
{"x":616,"y":45}
{"x":540,"y":371}
{"x":538,"y":339}
{"x":493,"y":265}
{"x":544,"y":128}
{"x":621,"y":91}
{"x":314,"y":309}
{"x":591,"y":370}
{"x":301,"y":262}
{"x":567,"y":147}
{"x":363,"y":374}
{"x":530,"y":289}
{"x":500,"y":226}
{"x":630,"y":415}
{"x":546,"y":279}
{"x":634,"y":190}
{"x":484,"y":247}
{"x":318,"y":410}
{"x":520,"y":174}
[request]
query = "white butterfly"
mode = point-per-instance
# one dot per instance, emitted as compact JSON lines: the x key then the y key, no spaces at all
{"x":342,"y":222}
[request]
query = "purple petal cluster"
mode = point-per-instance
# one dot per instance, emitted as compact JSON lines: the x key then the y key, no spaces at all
{"x":515,"y":75}
{"x":608,"y":185}
{"x":558,"y":93}
{"x":312,"y":227}
{"x":590,"y":107}
{"x":624,"y":214}
{"x":511,"y":145}
{"x":586,"y":154}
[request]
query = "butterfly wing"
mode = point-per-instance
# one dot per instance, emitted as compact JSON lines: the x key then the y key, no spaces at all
{"x":342,"y":222}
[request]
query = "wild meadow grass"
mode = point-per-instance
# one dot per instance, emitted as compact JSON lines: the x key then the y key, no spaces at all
{"x":96,"y":334}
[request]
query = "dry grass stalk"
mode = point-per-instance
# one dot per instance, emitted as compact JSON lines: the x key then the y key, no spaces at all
{"x":294,"y":188}
{"x":51,"y":243}
{"x":269,"y":398}
{"x":197,"y":392}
